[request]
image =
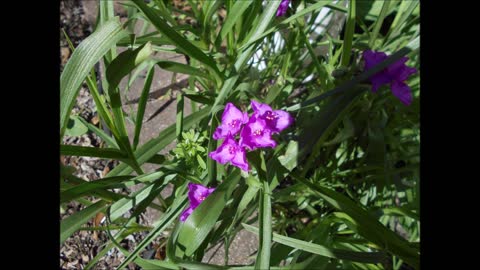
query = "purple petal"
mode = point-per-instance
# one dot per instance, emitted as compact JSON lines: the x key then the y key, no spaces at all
{"x":276,"y":121}
{"x":240,"y":160}
{"x":232,"y":113}
{"x":260,"y":108}
{"x":395,"y":74}
{"x":399,"y":71}
{"x":256,"y":134}
{"x":232,"y":121}
{"x":397,"y":66}
{"x":282,"y":120}
{"x":379,"y":79}
{"x":186,"y":213}
{"x":197,"y":193}
{"x":403,"y":92}
{"x":230,"y":151}
{"x":282,"y":9}
{"x":226,"y":151}
{"x":372,"y":58}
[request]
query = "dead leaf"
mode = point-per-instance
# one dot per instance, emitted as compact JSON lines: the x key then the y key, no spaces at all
{"x":95,"y":120}
{"x":97,"y":221}
{"x":160,"y":254}
{"x":64,"y":53}
{"x":106,"y":170}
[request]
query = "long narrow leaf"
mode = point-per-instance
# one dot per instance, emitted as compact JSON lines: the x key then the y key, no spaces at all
{"x":82,"y":61}
{"x":365,"y":257}
{"x":142,"y":104}
{"x":109,"y":153}
{"x":163,"y":223}
{"x":182,"y":43}
{"x":69,"y":225}
{"x":232,"y":17}
{"x":369,"y":227}
{"x":265,"y":235}
{"x":348,"y":37}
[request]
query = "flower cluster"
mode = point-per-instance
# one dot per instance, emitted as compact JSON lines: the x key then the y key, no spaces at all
{"x":282,"y":9}
{"x":196,"y":194}
{"x":395,"y":75}
{"x":254,"y":132}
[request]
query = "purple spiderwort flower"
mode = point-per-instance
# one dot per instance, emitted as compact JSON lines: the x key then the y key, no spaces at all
{"x":231,"y":151}
{"x":395,"y":74}
{"x":282,"y":9}
{"x":256,"y":134}
{"x":276,"y":120}
{"x":196,"y":194}
{"x":232,"y":121}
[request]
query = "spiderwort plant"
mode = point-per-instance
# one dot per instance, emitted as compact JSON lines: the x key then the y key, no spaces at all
{"x":395,"y":75}
{"x":255,"y":132}
{"x":324,"y":162}
{"x":196,"y":195}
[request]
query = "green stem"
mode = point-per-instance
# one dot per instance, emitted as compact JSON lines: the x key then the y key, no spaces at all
{"x":348,"y":37}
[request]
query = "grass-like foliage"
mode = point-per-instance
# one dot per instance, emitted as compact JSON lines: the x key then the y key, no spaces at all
{"x":334,"y":187}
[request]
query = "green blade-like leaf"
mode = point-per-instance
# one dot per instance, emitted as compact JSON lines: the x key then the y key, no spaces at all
{"x":142,"y":104}
{"x":123,"y":205}
{"x":69,"y":225}
{"x":367,"y":225}
{"x":203,"y":99}
{"x":125,"y":63}
{"x":87,"y":187}
{"x":122,"y":65}
{"x":232,"y":17}
{"x":99,"y":102}
{"x":195,"y":229}
{"x":265,"y":235}
{"x":163,"y":223}
{"x":82,"y":61}
{"x":108,"y":153}
{"x":164,"y":12}
{"x":106,"y":13}
{"x":70,"y":180}
{"x":349,"y":31}
{"x":285,"y":23}
{"x":179,"y":128}
{"x":365,"y":257}
{"x":107,"y":183}
{"x":100,"y":133}
{"x":378,"y":24}
{"x":75,"y":127}
{"x":181,"y":68}
{"x":402,"y":16}
{"x":182,"y":43}
{"x":264,"y":21}
{"x":212,"y":145}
